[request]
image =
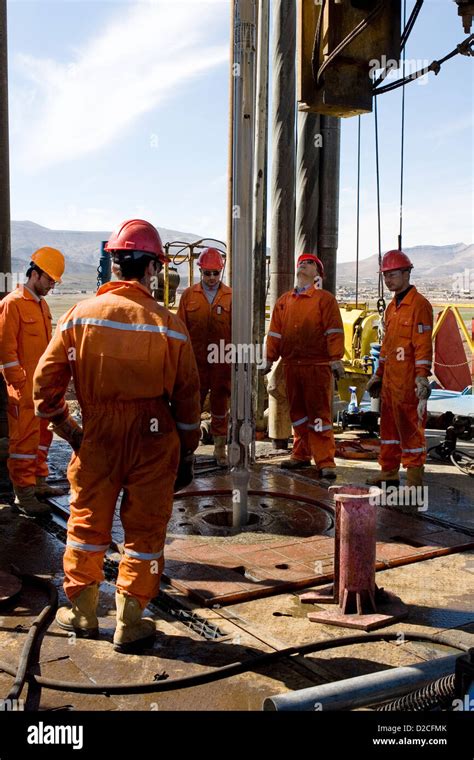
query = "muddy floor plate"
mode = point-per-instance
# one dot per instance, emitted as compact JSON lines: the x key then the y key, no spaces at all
{"x":221,"y":573}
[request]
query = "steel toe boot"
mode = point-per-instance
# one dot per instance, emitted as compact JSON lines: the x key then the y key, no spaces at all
{"x":81,"y":617}
{"x":133,"y":633}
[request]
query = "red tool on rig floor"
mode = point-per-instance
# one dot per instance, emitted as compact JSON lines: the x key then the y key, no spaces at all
{"x":361,"y":603}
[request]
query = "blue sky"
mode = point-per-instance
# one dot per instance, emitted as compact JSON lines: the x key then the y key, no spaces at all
{"x":120,"y":109}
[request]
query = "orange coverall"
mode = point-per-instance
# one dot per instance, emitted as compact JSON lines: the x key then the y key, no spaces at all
{"x":406,"y":353}
{"x":306,"y":331}
{"x":137,"y":383}
{"x":25,"y":331}
{"x":211,"y":325}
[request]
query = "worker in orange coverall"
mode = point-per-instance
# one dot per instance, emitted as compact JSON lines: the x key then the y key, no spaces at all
{"x":206,"y":310}
{"x":402,"y":375}
{"x":306,"y":331}
{"x":25,"y":331}
{"x":137,"y":383}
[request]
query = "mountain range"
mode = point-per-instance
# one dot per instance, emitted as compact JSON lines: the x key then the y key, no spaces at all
{"x":82,"y":251}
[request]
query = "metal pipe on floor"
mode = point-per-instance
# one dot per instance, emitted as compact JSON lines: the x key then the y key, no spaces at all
{"x":362,"y":691}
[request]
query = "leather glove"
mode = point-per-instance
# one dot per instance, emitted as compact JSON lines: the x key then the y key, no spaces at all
{"x":421,"y":409}
{"x":70,"y":431}
{"x":185,"y":474}
{"x":422,"y":387}
{"x":374,"y":386}
{"x":338,"y":370}
{"x":266,"y":368}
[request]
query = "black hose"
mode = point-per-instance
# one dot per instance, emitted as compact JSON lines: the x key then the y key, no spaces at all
{"x":35,"y":635}
{"x":466,"y":47}
{"x":460,"y":459}
{"x":439,"y":694}
{"x":147,"y":687}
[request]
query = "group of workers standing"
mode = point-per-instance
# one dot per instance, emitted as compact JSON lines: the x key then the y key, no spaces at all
{"x":141,"y":376}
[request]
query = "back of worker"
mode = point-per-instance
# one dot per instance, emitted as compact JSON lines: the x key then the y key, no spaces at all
{"x":137,"y":383}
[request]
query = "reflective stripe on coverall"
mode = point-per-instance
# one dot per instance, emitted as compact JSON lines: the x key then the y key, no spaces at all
{"x":210,"y":325}
{"x":137,"y":384}
{"x":406,"y":352}
{"x":25,"y":331}
{"x":306,"y":331}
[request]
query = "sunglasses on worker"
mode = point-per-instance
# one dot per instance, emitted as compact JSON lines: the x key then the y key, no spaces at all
{"x":211,"y":273}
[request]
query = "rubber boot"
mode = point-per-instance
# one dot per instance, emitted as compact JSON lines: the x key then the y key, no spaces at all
{"x":328,"y":473}
{"x":133,"y":633}
{"x":43,"y":488}
{"x":294,"y":464}
{"x":220,"y":453}
{"x":27,"y":503}
{"x":390,"y":477}
{"x":415,"y":476}
{"x":81,"y":617}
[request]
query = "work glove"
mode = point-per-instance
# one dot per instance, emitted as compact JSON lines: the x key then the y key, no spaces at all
{"x":421,"y":409}
{"x":338,"y":370}
{"x":374,"y":386}
{"x":422,"y":387}
{"x":266,"y":368}
{"x":70,"y":431}
{"x":185,"y":472}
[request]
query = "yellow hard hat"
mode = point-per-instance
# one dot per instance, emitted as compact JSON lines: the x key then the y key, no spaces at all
{"x":51,"y":261}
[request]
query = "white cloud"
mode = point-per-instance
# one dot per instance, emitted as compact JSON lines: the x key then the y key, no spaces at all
{"x":71,"y":109}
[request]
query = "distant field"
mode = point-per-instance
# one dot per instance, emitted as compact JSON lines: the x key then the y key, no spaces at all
{"x":61,"y":303}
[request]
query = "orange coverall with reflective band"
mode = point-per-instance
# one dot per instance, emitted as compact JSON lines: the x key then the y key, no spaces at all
{"x":306,"y":331}
{"x":406,"y":352}
{"x":25,"y":331}
{"x":137,"y":383}
{"x":210,"y":325}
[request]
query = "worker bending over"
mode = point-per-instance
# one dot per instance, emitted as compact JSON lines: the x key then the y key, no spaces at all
{"x":206,"y":310}
{"x":137,"y":384}
{"x":306,"y":331}
{"x":402,"y":375}
{"x":25,"y":331}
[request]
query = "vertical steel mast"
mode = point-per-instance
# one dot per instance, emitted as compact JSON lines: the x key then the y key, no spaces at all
{"x":241,"y":425}
{"x":260,"y":201}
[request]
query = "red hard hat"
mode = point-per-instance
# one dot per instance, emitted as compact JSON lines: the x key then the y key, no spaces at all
{"x":395,"y":260}
{"x":311,"y":257}
{"x":210,"y":258}
{"x":137,"y":235}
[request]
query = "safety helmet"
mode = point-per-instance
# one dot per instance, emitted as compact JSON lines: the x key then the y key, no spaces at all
{"x":137,"y":235}
{"x":311,"y":257}
{"x":395,"y":260}
{"x":51,"y":261}
{"x":210,"y":258}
